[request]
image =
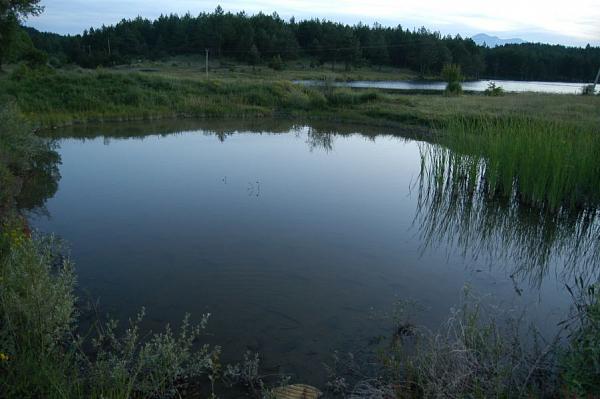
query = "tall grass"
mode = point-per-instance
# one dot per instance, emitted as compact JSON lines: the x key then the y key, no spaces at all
{"x":543,"y":164}
{"x":514,"y":188}
{"x":60,"y":97}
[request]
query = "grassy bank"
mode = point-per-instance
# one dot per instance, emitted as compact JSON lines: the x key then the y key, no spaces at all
{"x":54,"y":98}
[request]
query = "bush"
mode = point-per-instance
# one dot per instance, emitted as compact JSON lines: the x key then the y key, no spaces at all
{"x":40,"y":354}
{"x":37,"y":314}
{"x":276,"y":63}
{"x":452,"y":74}
{"x":493,"y":90}
{"x":453,"y":89}
{"x":35,"y":58}
{"x":477,"y":353}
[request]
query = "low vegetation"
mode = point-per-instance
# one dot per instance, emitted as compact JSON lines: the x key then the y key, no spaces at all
{"x":57,"y":97}
{"x":493,"y":90}
{"x":480,"y":351}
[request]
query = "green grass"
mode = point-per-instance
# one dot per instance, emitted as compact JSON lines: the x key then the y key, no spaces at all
{"x":54,"y":98}
{"x":519,"y":188}
{"x":580,"y":361}
{"x":542,"y":163}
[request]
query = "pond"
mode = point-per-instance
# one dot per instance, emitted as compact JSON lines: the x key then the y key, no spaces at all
{"x":474,"y":85}
{"x":296,"y":238}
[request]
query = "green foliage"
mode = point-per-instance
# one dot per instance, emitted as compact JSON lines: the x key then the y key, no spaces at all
{"x":253,"y":55}
{"x":580,"y":363}
{"x":40,"y":355}
{"x":12,"y":12}
{"x":125,"y":366}
{"x":276,"y":63}
{"x":247,"y":38}
{"x":37,"y":314}
{"x":452,"y":74}
{"x":545,"y":62}
{"x":35,"y":58}
{"x":527,"y":185}
{"x":493,"y":91}
{"x":544,"y":164}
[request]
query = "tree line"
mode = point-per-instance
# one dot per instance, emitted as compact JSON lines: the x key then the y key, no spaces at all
{"x":259,"y":38}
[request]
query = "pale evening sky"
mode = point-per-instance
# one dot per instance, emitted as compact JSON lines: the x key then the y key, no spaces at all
{"x":575,"y":22}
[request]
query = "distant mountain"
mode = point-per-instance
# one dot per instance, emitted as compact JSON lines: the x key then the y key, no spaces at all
{"x":493,"y":41}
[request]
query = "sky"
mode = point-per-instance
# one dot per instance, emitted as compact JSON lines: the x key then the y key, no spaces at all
{"x":576,"y":22}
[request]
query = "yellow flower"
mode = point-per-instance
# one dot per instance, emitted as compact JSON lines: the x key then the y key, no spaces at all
{"x":3,"y":357}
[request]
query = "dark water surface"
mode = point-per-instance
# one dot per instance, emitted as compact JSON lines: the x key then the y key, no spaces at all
{"x":291,"y":236}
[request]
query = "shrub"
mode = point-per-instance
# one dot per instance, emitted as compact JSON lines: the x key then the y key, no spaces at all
{"x":493,"y":90}
{"x":276,"y":63}
{"x":477,"y":353}
{"x":35,"y":58}
{"x":452,"y":74}
{"x":40,"y":355}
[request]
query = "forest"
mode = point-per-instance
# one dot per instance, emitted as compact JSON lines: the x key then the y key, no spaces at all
{"x":262,"y":39}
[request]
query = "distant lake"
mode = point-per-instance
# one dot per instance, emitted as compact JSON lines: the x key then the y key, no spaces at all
{"x":297,"y":238}
{"x":476,"y":85}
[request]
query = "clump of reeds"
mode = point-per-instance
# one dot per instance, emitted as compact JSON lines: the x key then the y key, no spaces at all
{"x":544,"y":164}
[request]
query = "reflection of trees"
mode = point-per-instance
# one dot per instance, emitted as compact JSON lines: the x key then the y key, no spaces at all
{"x":457,"y":207}
{"x":320,"y":134}
{"x":319,"y":140}
{"x":40,"y":182}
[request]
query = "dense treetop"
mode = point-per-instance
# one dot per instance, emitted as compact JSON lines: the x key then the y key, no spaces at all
{"x":260,"y":38}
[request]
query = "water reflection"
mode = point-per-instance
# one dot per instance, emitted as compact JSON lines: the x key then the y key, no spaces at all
{"x":320,"y":135}
{"x":40,"y":182}
{"x":458,"y":209}
{"x":288,"y":240}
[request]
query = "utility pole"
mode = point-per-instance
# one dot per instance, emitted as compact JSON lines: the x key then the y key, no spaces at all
{"x":206,"y":64}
